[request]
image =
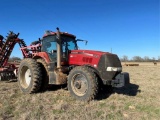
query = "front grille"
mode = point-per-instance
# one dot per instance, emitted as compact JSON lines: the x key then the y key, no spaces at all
{"x":112,"y":61}
{"x":108,"y":60}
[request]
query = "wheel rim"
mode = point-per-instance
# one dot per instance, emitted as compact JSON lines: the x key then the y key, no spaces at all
{"x":79,"y":84}
{"x":25,"y":77}
{"x":28,"y":77}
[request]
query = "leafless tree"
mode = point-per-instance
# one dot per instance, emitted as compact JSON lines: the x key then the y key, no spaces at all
{"x":12,"y":59}
{"x":137,"y":59}
{"x":124,"y":58}
{"x":159,"y":58}
{"x":146,"y":59}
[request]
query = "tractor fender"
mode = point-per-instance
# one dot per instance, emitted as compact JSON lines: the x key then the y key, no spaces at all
{"x":42,"y":55}
{"x":93,"y":68}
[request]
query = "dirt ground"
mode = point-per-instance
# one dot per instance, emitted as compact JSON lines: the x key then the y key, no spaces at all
{"x":138,"y":101}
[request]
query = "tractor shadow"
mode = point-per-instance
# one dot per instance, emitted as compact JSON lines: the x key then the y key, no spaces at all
{"x":105,"y":92}
{"x":56,"y":87}
{"x":129,"y":90}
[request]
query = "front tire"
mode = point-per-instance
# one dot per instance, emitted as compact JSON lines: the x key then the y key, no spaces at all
{"x":83,"y":83}
{"x":29,"y":76}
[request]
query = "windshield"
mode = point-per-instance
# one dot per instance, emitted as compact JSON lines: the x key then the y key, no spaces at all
{"x":69,"y":42}
{"x":49,"y":45}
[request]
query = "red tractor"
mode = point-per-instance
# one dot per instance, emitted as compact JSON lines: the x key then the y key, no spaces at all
{"x":56,"y":59}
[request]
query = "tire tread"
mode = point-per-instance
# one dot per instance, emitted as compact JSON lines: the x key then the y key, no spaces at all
{"x":93,"y":79}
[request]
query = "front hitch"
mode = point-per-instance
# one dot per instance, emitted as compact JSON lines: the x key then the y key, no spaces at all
{"x":122,"y":79}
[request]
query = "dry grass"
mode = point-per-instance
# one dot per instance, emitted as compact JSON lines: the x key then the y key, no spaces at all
{"x":140,"y":100}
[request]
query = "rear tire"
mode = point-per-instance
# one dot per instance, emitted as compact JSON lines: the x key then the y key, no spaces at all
{"x":83,"y":83}
{"x":29,"y":76}
{"x":45,"y":76}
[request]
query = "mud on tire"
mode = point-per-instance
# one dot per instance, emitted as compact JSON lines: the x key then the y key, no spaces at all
{"x":83,"y":83}
{"x":29,"y":76}
{"x":45,"y":76}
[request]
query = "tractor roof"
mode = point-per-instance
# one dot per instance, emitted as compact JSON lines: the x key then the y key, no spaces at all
{"x":48,"y":33}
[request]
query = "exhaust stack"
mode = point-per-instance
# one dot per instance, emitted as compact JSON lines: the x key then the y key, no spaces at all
{"x":58,"y":49}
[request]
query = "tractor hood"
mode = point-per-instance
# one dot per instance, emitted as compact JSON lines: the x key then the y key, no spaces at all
{"x":89,"y":57}
{"x":106,"y":63}
{"x":89,"y":52}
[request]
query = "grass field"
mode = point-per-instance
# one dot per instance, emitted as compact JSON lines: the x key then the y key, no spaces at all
{"x":138,"y":101}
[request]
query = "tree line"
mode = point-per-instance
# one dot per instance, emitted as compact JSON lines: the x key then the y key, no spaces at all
{"x":125,"y":58}
{"x":13,"y":59}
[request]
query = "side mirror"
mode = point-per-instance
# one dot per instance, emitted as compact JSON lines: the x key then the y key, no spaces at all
{"x":83,"y":41}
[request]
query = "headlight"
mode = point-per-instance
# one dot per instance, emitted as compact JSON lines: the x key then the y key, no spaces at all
{"x":119,"y":69}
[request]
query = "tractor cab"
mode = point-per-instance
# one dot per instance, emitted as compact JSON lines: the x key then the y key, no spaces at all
{"x":49,"y":45}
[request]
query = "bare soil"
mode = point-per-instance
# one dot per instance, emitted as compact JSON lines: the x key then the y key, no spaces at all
{"x":137,"y":101}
